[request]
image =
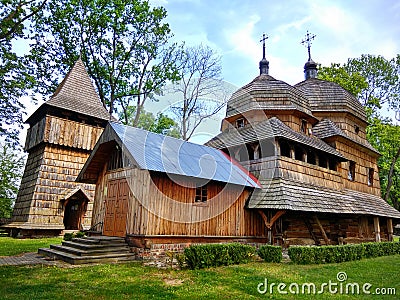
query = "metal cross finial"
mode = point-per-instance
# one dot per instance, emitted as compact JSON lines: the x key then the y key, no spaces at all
{"x":307,"y":42}
{"x":263,"y":39}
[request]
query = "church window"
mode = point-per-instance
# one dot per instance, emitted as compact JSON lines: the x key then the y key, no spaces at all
{"x":370,"y":176}
{"x":352,"y":171}
{"x":240,"y":123}
{"x":201,"y":194}
{"x":304,"y":126}
{"x":356,"y":129}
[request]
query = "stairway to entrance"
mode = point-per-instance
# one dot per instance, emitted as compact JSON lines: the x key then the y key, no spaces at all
{"x":96,"y":249}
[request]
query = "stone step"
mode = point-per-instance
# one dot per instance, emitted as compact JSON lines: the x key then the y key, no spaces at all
{"x":75,"y":259}
{"x":100,"y":240}
{"x":87,"y":247}
{"x":91,"y":252}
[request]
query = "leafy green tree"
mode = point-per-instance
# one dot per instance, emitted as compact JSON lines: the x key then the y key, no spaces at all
{"x":385,"y":137}
{"x":374,"y":80}
{"x":355,"y":83}
{"x":14,"y":79}
{"x":123,"y":43}
{"x":159,"y":124}
{"x":11,"y":168}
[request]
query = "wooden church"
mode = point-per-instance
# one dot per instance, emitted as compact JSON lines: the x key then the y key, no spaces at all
{"x":62,"y":134}
{"x":291,"y":166}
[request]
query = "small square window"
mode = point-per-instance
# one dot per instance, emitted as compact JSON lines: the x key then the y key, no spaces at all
{"x":201,"y":194}
{"x":356,"y":129}
{"x":240,"y":123}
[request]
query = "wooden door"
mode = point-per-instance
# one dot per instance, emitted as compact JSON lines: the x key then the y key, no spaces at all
{"x":116,"y":208}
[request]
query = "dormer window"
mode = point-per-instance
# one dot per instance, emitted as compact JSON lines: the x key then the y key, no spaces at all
{"x":240,"y":123}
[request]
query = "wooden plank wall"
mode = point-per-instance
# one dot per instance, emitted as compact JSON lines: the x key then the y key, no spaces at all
{"x":63,"y":132}
{"x":50,"y":174}
{"x":159,"y":206}
{"x":288,"y":168}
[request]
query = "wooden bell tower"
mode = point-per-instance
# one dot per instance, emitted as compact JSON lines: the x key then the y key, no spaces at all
{"x":62,"y":134}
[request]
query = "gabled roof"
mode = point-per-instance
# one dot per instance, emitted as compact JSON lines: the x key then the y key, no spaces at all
{"x":77,"y":94}
{"x":266,"y":92}
{"x":285,"y":194}
{"x":324,"y":96}
{"x":326,"y":128}
{"x":268,"y":129}
{"x":156,"y":152}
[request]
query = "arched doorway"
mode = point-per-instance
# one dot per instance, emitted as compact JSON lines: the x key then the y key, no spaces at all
{"x":74,"y":210}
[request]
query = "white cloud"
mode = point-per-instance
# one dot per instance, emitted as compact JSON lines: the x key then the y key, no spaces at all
{"x":240,"y":37}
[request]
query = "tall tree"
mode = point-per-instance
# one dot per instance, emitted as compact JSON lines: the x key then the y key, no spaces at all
{"x":11,"y":167}
{"x":158,"y":124}
{"x":375,"y":81}
{"x":14,"y":80}
{"x":201,"y":88}
{"x":123,"y":43}
{"x":385,"y":137}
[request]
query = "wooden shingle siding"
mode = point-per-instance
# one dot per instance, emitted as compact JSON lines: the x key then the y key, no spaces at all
{"x":159,"y":206}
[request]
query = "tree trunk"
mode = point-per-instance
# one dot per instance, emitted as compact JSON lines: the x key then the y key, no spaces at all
{"x":390,"y":175}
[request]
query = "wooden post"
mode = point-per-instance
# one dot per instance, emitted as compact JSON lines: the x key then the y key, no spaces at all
{"x":377,"y":229}
{"x":269,"y":235}
{"x":292,"y":153}
{"x":390,"y":229}
{"x":270,"y":223}
{"x":327,"y":241}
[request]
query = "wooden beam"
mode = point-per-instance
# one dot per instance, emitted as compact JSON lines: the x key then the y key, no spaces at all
{"x":270,"y":223}
{"x":277,"y":215}
{"x":327,"y":241}
{"x":310,"y":230}
{"x":377,"y":229}
{"x":390,"y":229}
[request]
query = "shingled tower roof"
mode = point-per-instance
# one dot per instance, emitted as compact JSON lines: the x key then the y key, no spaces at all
{"x":76,"y":94}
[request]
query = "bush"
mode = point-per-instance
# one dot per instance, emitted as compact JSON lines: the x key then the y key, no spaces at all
{"x":270,"y":253}
{"x":337,"y":254}
{"x":214,"y":255}
{"x":70,"y":236}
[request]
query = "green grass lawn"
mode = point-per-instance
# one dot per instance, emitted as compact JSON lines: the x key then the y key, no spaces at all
{"x":135,"y":281}
{"x":10,"y":246}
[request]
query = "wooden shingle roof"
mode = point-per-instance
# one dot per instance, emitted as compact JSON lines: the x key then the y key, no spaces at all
{"x":265,"y":92}
{"x":326,"y":128}
{"x":285,"y":194}
{"x":77,"y":94}
{"x":268,"y":129}
{"x":329,"y":96}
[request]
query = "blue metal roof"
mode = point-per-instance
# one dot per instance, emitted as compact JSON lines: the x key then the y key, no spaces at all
{"x":161,"y":153}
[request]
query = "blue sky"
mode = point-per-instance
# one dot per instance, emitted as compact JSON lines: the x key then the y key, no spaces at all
{"x":343,"y":29}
